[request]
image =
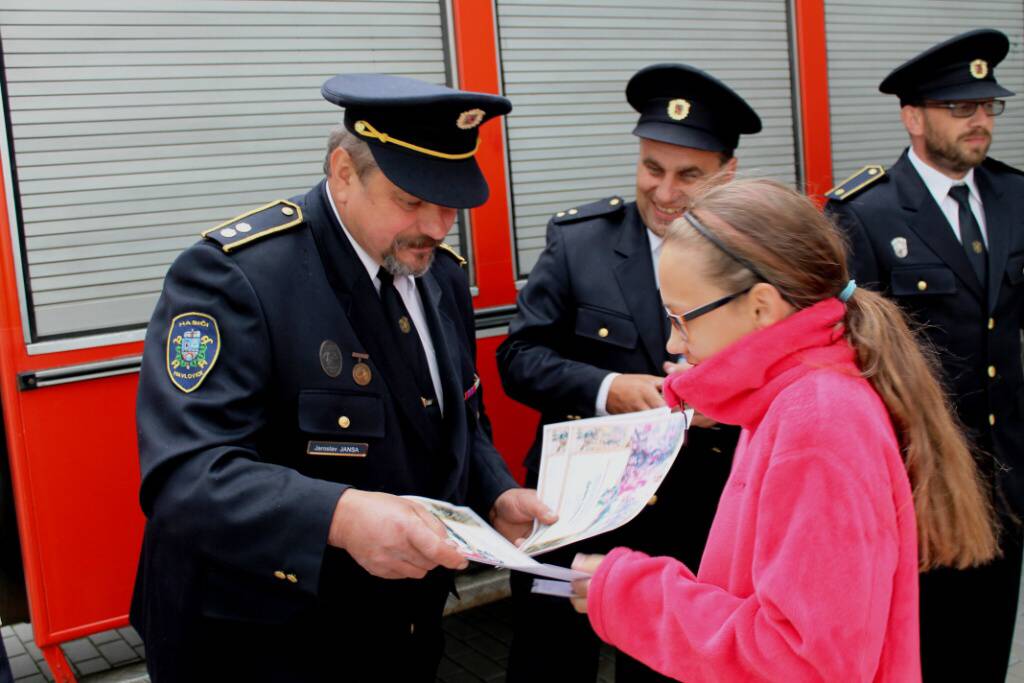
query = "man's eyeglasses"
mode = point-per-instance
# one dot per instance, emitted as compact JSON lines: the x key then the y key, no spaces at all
{"x":679,"y":321}
{"x":966,"y":109}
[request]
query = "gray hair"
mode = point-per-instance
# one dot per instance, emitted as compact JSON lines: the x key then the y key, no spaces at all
{"x":359,"y":151}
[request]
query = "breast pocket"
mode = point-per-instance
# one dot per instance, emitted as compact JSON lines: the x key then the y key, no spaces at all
{"x":606,"y":326}
{"x":334,"y":417}
{"x":922,"y":281}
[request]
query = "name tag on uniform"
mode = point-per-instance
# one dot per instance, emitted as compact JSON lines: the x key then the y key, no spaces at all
{"x":343,"y":449}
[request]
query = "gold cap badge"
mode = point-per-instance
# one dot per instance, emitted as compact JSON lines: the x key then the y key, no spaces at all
{"x":979,"y":68}
{"x":678,"y":109}
{"x":470,"y":119}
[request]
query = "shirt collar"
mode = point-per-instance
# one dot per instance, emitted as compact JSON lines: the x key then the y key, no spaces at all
{"x":368,"y":262}
{"x":938,"y":183}
{"x":654,"y":241}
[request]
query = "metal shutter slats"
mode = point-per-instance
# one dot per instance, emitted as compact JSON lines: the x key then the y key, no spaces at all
{"x":137,"y":125}
{"x":565,"y":67}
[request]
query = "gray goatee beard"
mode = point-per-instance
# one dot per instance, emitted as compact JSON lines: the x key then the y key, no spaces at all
{"x":399,"y":269}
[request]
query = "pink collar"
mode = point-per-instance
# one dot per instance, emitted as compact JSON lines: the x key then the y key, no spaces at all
{"x":737,"y":384}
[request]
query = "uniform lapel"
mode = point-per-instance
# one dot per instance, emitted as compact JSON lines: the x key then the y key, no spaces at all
{"x":446,"y":345}
{"x":998,"y":222}
{"x":926,"y":219}
{"x":442,"y":332}
{"x":361,"y":303}
{"x":635,"y":275}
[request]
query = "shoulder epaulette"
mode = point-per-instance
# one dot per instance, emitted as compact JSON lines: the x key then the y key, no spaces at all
{"x":256,"y":224}
{"x":601,"y":207}
{"x":999,"y":166}
{"x":855,"y":183}
{"x":447,"y":249}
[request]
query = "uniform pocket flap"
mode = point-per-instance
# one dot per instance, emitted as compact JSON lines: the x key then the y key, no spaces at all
{"x":922,"y":280}
{"x":341,"y":414}
{"x":1015,"y":268}
{"x":606,"y":326}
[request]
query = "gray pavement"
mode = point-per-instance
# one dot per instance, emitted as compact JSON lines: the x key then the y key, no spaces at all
{"x":476,"y":647}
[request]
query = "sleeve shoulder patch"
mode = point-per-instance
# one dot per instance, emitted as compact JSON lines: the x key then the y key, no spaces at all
{"x":253,"y":225}
{"x":856,"y":183}
{"x":447,"y":249}
{"x":193,"y":346}
{"x":603,"y":207}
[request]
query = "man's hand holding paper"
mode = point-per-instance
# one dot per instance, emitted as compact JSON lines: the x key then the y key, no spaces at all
{"x":596,"y":475}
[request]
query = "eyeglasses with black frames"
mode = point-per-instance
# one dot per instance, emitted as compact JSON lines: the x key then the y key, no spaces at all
{"x":679,"y":321}
{"x":966,"y":109}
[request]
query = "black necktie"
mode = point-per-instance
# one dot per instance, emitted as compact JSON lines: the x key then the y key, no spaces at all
{"x":408,"y":339}
{"x":970,"y":234}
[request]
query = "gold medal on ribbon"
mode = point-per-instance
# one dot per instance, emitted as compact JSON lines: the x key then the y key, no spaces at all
{"x":361,"y":372}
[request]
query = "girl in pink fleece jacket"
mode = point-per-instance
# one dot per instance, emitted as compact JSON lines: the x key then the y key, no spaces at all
{"x":810,"y":570}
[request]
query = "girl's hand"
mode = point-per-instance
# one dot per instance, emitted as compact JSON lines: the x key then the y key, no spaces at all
{"x":580,"y":587}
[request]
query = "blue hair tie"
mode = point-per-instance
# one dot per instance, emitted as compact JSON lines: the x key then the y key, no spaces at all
{"x":847,"y":292}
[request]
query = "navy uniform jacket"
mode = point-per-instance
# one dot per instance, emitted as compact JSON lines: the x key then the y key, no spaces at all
{"x":237,"y":508}
{"x":903,"y":245}
{"x":590,"y":307}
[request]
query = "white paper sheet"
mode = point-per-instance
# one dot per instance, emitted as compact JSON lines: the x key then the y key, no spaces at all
{"x":599,"y":473}
{"x":479,"y":542}
{"x":557,"y":589}
{"x":596,"y":474}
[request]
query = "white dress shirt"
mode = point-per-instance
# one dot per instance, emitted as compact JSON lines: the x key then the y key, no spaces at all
{"x":938,"y":185}
{"x":406,"y":286}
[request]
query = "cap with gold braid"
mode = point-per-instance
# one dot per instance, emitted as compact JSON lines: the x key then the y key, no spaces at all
{"x":424,"y":137}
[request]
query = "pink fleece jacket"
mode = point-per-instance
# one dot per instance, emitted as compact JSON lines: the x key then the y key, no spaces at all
{"x":810,"y":571}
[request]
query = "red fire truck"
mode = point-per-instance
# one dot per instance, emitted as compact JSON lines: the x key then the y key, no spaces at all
{"x":129,"y":127}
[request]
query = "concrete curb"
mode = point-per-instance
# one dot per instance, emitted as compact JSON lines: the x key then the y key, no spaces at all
{"x":133,"y":673}
{"x":478,"y":588}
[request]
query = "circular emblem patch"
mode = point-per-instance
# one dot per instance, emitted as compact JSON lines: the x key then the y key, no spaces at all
{"x":470,"y":119}
{"x":979,"y":68}
{"x":193,"y":344}
{"x":404,"y":325}
{"x":678,"y":109}
{"x":330,"y":358}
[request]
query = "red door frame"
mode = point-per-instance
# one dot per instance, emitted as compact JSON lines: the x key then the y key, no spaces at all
{"x":812,"y":78}
{"x":78,"y":520}
{"x":477,"y":60}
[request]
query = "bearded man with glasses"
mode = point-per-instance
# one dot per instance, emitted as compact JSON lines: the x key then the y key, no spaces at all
{"x":942,"y":232}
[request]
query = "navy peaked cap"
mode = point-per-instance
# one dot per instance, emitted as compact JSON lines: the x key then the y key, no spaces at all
{"x":684,"y":106}
{"x":961,"y":68}
{"x":424,"y":137}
